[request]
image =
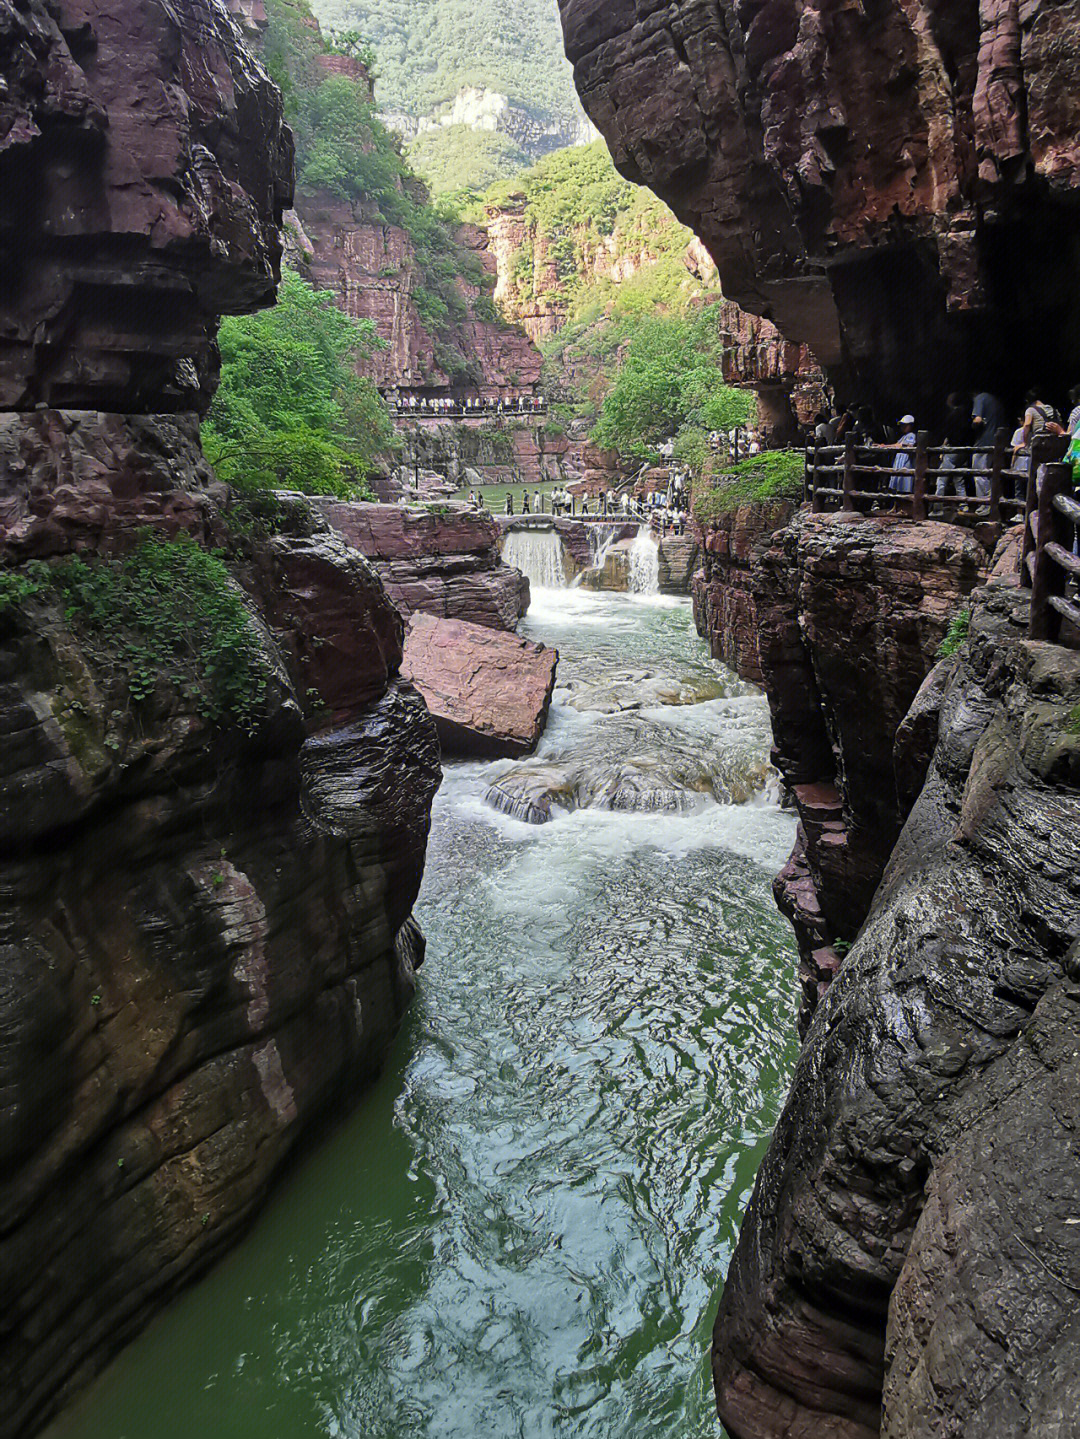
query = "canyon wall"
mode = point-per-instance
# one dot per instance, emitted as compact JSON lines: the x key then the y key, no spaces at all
{"x":372,"y":267}
{"x":893,"y":185}
{"x":839,"y":618}
{"x":215,"y":787}
{"x":906,"y":1263}
{"x":909,"y":1260}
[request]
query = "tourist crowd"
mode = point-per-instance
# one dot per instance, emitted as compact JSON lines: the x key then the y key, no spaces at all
{"x":468,"y":406}
{"x":965,"y":441}
{"x":738,"y":444}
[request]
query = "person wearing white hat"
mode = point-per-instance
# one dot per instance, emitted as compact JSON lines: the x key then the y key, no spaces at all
{"x":903,"y":475}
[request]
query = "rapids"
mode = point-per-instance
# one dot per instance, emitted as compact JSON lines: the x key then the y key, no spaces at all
{"x":521,"y":1230}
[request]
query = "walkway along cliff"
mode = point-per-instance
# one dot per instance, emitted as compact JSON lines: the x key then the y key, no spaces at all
{"x":215,"y":789}
{"x":894,"y":187}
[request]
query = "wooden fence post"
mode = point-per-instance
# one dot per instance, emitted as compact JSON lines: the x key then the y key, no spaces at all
{"x":918,"y":493}
{"x":849,"y":473}
{"x":997,"y":465}
{"x":1049,"y":578}
{"x":816,"y":502}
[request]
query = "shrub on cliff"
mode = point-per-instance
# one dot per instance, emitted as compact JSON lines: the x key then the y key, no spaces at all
{"x":775,"y":475}
{"x":291,"y":411}
{"x":165,"y":614}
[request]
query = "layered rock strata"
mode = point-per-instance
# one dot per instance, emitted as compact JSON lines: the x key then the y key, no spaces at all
{"x":373,"y":269}
{"x":909,"y":1261}
{"x":143,"y":148}
{"x":508,"y":451}
{"x":839,"y":618}
{"x":893,"y":185}
{"x":724,"y":610}
{"x":488,"y":693}
{"x":205,"y":930}
{"x":440,"y":560}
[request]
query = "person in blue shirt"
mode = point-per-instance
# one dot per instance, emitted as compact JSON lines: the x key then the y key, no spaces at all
{"x":902,"y":481}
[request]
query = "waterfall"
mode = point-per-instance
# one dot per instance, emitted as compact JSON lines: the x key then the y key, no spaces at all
{"x":538,"y":555}
{"x":645,"y":564}
{"x":600,"y":538}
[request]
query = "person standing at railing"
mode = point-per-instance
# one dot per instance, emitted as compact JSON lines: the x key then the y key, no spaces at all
{"x":988,"y":415}
{"x":960,"y":432}
{"x":902,"y":480}
{"x":1039,"y":419}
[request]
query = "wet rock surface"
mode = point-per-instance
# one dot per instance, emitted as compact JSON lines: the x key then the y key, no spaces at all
{"x":206,"y":940}
{"x":724,"y":609}
{"x":912,"y":1227}
{"x":488,"y":693}
{"x":206,"y":943}
{"x":441,"y":560}
{"x":893,"y":186}
{"x":839,"y":618}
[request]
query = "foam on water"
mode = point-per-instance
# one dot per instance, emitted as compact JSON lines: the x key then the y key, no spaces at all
{"x":521,"y":1231}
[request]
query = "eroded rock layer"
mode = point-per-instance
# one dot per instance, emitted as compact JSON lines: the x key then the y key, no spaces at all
{"x":206,"y":873}
{"x":892,"y":184}
{"x":839,"y":618}
{"x":912,"y":1229}
{"x":441,"y":560}
{"x":143,"y":150}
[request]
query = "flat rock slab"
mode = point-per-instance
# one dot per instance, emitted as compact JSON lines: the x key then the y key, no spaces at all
{"x":489,"y":692}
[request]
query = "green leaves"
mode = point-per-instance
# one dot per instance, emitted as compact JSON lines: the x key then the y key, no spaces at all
{"x":291,"y":411}
{"x":670,"y":379}
{"x":169,"y":613}
{"x":776,"y":474}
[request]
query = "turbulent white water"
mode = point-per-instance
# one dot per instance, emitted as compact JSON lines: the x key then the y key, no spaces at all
{"x":521,"y":1231}
{"x":645,"y":564}
{"x":538,"y":554}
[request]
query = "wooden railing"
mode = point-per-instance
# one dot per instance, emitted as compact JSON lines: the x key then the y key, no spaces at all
{"x":855,"y":477}
{"x":1051,"y":564}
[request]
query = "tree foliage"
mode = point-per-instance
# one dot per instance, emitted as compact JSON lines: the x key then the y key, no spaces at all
{"x":291,"y":411}
{"x":459,"y":162}
{"x":342,"y":147}
{"x":670,"y":383}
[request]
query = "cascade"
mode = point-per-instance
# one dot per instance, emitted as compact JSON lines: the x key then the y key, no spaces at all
{"x":538,"y":554}
{"x":645,"y":564}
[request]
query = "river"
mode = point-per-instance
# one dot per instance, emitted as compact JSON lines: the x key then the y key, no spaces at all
{"x":522,"y":1228}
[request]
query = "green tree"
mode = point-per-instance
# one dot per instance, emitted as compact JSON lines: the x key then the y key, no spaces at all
{"x":670,"y":382}
{"x":291,"y":411}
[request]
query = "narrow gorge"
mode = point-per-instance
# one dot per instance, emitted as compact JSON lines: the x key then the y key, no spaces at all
{"x":894,"y":186}
{"x":539,"y":862}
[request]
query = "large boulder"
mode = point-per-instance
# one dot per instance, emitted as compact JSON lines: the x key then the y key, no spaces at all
{"x":439,"y":559}
{"x":489,"y":693}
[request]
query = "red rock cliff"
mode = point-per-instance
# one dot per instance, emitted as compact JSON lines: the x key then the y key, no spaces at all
{"x":144,"y":168}
{"x":893,"y":184}
{"x":205,"y":931}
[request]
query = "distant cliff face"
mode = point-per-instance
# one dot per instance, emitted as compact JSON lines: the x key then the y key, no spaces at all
{"x":146,"y":152}
{"x":561,"y":254}
{"x":372,"y":268}
{"x":893,"y":185}
{"x":346,"y":247}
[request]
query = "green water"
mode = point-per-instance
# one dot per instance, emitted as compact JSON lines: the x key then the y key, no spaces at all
{"x":522,"y":1228}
